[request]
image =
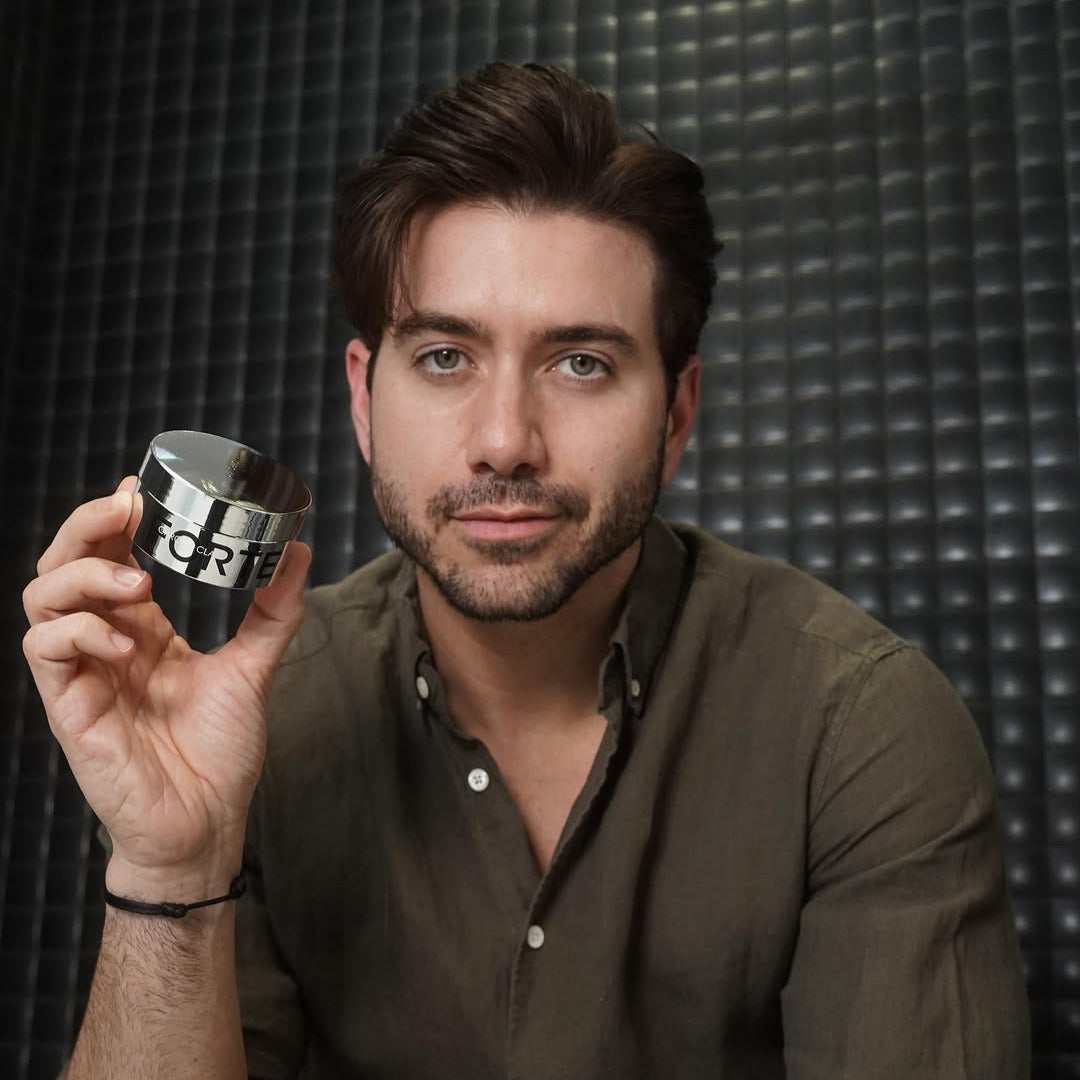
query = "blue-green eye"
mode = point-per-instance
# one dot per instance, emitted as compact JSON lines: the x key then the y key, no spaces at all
{"x":442,"y":359}
{"x":584,"y":366}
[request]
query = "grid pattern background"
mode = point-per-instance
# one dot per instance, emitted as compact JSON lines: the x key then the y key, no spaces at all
{"x":891,"y":389}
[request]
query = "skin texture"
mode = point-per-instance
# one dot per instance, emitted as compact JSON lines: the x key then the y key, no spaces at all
{"x":545,"y":433}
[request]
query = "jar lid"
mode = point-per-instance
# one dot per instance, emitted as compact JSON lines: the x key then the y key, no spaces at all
{"x":224,"y":486}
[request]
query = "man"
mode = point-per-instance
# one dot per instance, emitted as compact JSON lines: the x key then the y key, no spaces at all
{"x":556,"y":790}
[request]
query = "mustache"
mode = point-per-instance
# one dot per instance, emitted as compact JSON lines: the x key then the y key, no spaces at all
{"x":493,"y":490}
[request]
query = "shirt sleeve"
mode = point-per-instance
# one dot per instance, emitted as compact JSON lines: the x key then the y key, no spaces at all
{"x":907,"y":962}
{"x":271,"y":1013}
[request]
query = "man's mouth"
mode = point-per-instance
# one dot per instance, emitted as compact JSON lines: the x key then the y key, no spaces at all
{"x":502,"y":523}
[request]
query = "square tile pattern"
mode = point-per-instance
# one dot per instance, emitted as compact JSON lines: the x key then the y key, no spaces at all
{"x":891,"y":390}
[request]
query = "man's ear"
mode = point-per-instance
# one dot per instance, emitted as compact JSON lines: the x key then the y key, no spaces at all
{"x":357,"y":359}
{"x":681,"y":416}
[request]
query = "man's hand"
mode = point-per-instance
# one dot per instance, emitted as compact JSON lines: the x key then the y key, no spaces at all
{"x":166,"y":743}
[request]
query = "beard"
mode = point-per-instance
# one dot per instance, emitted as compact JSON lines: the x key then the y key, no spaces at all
{"x":511,"y":580}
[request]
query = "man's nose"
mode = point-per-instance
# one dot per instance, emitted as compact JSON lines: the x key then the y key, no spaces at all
{"x":505,"y":433}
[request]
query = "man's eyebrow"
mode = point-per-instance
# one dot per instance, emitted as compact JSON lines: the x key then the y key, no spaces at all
{"x":423,"y":322}
{"x":586,"y":333}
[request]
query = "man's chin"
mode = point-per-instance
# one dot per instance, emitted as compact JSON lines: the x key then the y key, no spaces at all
{"x":502,"y":592}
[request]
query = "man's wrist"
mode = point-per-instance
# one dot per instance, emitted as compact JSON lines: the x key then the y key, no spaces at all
{"x":173,"y":884}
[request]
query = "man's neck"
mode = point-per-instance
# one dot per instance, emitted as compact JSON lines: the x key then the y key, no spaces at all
{"x":502,"y":677}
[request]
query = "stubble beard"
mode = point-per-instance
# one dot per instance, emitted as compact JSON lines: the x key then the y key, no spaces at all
{"x":513,"y":581}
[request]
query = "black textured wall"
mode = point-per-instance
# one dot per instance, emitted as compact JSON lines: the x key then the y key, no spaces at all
{"x":891,"y":396}
{"x":24,"y":40}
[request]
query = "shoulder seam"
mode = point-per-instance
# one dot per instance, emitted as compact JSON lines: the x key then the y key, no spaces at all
{"x":834,"y":732}
{"x":871,"y":653}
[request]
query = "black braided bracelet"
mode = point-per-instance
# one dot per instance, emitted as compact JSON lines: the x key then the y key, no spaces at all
{"x":176,"y":911}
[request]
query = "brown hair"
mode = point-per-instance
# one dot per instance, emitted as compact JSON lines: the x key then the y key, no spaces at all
{"x":527,"y":137}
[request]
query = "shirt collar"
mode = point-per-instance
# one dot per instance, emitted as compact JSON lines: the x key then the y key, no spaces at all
{"x":419,"y":679}
{"x":653,"y":598}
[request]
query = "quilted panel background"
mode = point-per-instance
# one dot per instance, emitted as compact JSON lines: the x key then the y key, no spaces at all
{"x":891,"y":390}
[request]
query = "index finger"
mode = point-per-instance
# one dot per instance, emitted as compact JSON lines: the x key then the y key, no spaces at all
{"x":102,"y":527}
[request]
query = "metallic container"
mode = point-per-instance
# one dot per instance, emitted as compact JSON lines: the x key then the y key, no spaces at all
{"x":217,"y":511}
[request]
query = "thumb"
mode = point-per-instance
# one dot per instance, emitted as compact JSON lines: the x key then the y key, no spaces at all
{"x":276,"y":612}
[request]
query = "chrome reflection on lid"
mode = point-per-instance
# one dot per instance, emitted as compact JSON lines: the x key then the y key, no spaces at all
{"x":216,"y":510}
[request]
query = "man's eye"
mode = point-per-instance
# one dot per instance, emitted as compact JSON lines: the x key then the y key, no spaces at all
{"x":584,"y":366}
{"x":442,"y":359}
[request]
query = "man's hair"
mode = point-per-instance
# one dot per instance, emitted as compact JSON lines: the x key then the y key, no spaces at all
{"x":529,"y":138}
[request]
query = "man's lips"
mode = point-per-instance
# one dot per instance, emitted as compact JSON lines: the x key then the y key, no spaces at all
{"x":494,"y":523}
{"x":498,"y":513}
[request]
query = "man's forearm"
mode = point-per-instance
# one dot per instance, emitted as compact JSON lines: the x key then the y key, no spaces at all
{"x":163,"y":1003}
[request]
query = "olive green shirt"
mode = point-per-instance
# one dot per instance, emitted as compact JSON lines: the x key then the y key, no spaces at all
{"x":784,"y":861}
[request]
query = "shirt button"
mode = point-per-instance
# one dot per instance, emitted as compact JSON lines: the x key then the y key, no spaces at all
{"x":422,"y":688}
{"x":535,"y":936}
{"x":635,"y":688}
{"x":479,"y":780}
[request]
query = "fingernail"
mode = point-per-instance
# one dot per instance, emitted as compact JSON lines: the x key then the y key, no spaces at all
{"x":121,"y":498}
{"x":128,"y":576}
{"x":121,"y":641}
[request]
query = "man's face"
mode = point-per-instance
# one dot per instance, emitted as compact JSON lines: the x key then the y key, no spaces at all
{"x":517,"y":428}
